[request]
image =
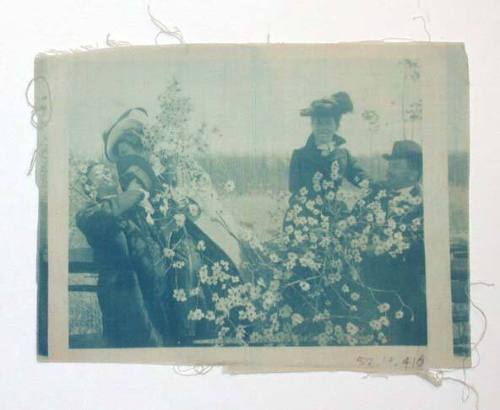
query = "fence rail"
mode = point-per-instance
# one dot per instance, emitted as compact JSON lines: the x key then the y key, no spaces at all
{"x":84,"y":272}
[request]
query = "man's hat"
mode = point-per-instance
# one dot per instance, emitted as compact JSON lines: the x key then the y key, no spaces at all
{"x":130,"y":122}
{"x":404,"y":150}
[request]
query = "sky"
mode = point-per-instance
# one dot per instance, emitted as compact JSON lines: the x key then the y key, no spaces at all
{"x":253,"y":95}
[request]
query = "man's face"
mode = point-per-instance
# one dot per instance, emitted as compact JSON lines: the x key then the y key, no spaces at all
{"x":323,"y":128}
{"x":400,"y":174}
{"x":102,"y":180}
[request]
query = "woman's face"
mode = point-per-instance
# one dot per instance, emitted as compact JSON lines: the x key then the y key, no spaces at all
{"x":124,"y":148}
{"x":323,"y":128}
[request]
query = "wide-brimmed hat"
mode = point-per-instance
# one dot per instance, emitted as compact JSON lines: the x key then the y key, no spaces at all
{"x":321,"y":107}
{"x":405,"y":149}
{"x":336,"y":105}
{"x":131,"y":122}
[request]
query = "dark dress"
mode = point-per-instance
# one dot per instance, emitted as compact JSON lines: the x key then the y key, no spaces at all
{"x":309,"y":160}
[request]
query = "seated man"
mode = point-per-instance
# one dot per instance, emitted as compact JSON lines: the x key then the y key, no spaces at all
{"x":397,"y":261}
{"x":128,"y":321}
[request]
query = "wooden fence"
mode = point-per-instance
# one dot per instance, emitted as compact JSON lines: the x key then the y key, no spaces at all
{"x":82,"y":262}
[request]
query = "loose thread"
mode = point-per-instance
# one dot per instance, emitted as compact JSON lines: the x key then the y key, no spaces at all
{"x":427,"y":32}
{"x":375,"y":376}
{"x":475,"y":345}
{"x":424,"y":21}
{"x":437,"y":378}
{"x":88,"y":47}
{"x":34,"y":157}
{"x":44,"y":108}
{"x":467,"y":387}
{"x":192,"y":370}
{"x":481,"y":312}
{"x":397,"y":39}
{"x":175,"y":32}
{"x":116,"y":43}
{"x":481,"y":283}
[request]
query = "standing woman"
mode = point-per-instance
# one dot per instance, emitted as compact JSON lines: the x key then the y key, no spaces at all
{"x":324,"y":146}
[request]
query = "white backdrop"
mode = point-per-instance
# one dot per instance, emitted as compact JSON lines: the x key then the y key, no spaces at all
{"x":28,"y":27}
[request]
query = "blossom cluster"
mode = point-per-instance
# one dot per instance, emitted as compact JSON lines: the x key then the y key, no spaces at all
{"x":307,"y":286}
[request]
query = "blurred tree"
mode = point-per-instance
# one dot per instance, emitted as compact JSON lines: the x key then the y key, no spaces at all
{"x":411,"y":103}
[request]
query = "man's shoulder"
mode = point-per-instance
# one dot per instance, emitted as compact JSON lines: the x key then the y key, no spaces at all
{"x":93,"y":211}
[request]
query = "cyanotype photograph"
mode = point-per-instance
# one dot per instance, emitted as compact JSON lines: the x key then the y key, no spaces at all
{"x":252,"y":196}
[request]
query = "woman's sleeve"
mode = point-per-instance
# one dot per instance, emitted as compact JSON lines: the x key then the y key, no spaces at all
{"x":354,"y":173}
{"x":295,"y":180}
{"x":136,"y":175}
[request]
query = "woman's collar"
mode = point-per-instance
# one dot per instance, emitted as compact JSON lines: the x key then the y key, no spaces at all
{"x":337,"y":140}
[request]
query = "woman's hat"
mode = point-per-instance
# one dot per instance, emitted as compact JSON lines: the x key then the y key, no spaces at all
{"x":338,"y":104}
{"x":322,"y":107}
{"x":131,"y":122}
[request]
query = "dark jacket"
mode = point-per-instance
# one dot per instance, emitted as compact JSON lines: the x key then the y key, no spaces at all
{"x":129,"y":290}
{"x":404,"y":275}
{"x":308,"y":160}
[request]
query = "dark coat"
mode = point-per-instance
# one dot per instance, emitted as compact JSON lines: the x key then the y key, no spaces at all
{"x":130,"y":292}
{"x":308,"y":160}
{"x":136,"y":283}
{"x":405,"y":275}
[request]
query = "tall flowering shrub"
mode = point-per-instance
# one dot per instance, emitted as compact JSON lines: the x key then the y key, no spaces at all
{"x":304,"y":287}
{"x":307,"y":287}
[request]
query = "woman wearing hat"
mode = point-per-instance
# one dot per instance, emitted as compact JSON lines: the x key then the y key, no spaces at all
{"x":324,"y":146}
{"x":161,"y":234}
{"x":152,"y":235}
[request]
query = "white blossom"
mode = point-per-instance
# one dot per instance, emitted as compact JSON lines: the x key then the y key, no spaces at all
{"x":383,"y":307}
{"x":180,"y":295}
{"x":200,"y":246}
{"x":351,"y":328}
{"x":297,"y":319}
{"x":229,"y":186}
{"x":196,"y":314}
{"x":168,"y":253}
{"x":304,"y":285}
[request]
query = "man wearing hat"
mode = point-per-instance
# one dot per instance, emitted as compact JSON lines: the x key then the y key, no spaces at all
{"x":403,"y":273}
{"x":324,"y":146}
{"x":128,"y":319}
{"x":405,"y":167}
